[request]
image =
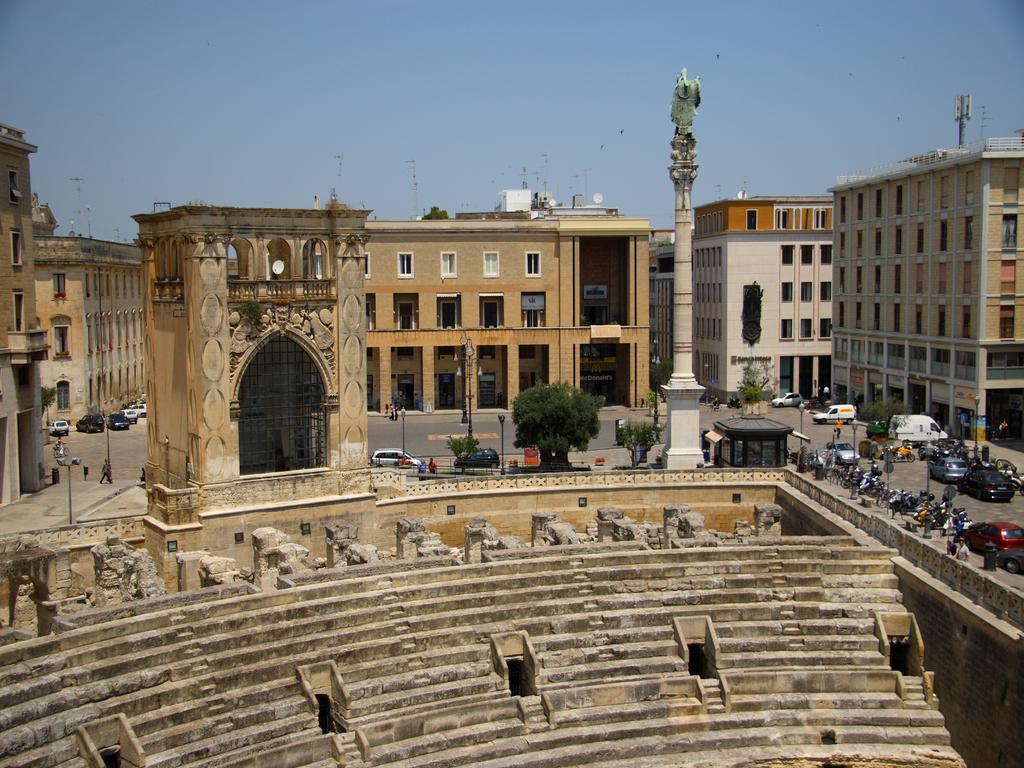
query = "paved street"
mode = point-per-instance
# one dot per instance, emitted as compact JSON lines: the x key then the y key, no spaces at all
{"x":424,"y":437}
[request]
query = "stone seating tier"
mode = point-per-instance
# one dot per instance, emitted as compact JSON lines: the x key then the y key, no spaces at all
{"x":409,"y":615}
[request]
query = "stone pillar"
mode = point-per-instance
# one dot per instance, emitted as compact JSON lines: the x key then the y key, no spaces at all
{"x":428,"y":392}
{"x":682,"y":393}
{"x":351,"y":272}
{"x":537,"y":523}
{"x":188,"y":570}
{"x":511,"y":374}
{"x":408,"y":534}
{"x":474,"y":542}
{"x":23,"y":606}
{"x":606,"y":518}
{"x":671,"y":517}
{"x":384,"y":388}
{"x":212,"y":449}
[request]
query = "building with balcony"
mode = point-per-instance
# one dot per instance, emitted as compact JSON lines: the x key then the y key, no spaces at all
{"x":783,"y":247}
{"x":551,"y":298}
{"x":929,"y":296}
{"x":23,"y":344}
{"x":89,"y":298}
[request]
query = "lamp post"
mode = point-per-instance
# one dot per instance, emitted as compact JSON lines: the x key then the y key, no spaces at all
{"x":853,"y":484}
{"x":501,"y":422}
{"x":469,"y":357}
{"x":402,"y":412}
{"x":75,"y":461}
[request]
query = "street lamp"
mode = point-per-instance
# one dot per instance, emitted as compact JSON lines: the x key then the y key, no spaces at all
{"x":402,"y":412}
{"x":501,"y":421}
{"x":75,"y":461}
{"x":853,"y":483}
{"x":469,"y":357}
{"x":802,"y":407}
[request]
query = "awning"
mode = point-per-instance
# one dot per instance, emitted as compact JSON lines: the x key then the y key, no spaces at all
{"x":712,"y":437}
{"x":492,"y":295}
{"x":447,"y":295}
{"x":800,"y":436}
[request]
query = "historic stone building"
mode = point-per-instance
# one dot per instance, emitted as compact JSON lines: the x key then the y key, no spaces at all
{"x":89,"y":298}
{"x":783,"y":245}
{"x":255,"y":370}
{"x":928,"y":302}
{"x":558,"y":298}
{"x":23,"y":344}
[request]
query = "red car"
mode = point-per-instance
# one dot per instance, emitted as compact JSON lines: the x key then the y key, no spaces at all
{"x":1003,"y":535}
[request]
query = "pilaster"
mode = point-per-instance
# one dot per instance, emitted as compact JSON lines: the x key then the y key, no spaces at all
{"x":351,"y":344}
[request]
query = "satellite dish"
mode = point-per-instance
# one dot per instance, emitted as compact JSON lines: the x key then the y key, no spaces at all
{"x":277,"y":267}
{"x":552,"y":203}
{"x":598,"y":198}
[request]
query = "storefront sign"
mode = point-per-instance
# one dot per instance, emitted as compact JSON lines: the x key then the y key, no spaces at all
{"x":857,"y":379}
{"x":739,"y":359}
{"x":597,"y":377}
{"x":595,"y":291}
{"x":531,"y":457}
{"x":533,"y":301}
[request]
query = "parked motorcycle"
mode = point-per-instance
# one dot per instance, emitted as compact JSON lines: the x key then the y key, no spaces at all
{"x":734,"y":402}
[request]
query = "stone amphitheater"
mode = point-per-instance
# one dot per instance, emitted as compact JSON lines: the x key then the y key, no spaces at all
{"x":626,"y":644}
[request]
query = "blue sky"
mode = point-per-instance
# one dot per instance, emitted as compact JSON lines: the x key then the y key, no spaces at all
{"x":248,"y":103}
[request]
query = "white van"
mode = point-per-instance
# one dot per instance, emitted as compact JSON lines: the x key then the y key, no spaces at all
{"x":917,"y":428}
{"x":834,"y":413}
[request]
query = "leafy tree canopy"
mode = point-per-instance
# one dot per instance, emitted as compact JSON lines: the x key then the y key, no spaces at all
{"x":47,"y":395}
{"x":882,"y":411}
{"x":435,"y":213}
{"x":754,"y":381}
{"x":660,"y":374}
{"x":642,"y":435}
{"x":556,"y":418}
{"x":462,"y":446}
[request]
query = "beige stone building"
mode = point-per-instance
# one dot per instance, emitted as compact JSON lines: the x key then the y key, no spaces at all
{"x":89,"y":298}
{"x":929,"y":301}
{"x":560,"y":298}
{"x":255,"y":372}
{"x":783,"y":245}
{"x":23,"y":343}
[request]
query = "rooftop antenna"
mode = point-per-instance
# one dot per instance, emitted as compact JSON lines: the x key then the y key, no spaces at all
{"x":117,"y":234}
{"x":88,"y":220}
{"x":340,"y":159}
{"x":962,"y":113}
{"x":415,"y":189}
{"x":545,"y":156}
{"x":586,"y":181}
{"x":718,"y":190}
{"x":78,"y":188}
{"x":525,"y":185}
{"x":984,"y":120}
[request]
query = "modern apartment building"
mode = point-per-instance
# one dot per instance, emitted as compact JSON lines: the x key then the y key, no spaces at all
{"x":23,"y":343}
{"x":562,"y":297}
{"x":776,"y":252}
{"x":89,"y":297}
{"x":929,"y":299}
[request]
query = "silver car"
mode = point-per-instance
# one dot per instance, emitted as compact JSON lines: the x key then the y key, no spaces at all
{"x":844,"y":453}
{"x":947,"y":469}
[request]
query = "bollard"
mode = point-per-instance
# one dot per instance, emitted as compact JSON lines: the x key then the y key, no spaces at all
{"x":990,"y":556}
{"x":926,"y":533}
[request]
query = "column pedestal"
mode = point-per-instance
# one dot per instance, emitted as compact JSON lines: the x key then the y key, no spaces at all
{"x":682,"y":432}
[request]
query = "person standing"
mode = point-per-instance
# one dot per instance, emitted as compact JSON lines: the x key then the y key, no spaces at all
{"x":107,"y":474}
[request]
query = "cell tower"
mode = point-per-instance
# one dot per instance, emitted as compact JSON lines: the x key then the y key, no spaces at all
{"x":962,"y":113}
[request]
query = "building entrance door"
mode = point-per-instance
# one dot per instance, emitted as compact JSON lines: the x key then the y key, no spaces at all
{"x":446,"y":390}
{"x":406,"y":390}
{"x":487,"y":391}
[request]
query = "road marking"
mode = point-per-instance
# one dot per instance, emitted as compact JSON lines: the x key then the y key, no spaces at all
{"x":478,"y":435}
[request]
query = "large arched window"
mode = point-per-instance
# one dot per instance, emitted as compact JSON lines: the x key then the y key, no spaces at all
{"x":282,"y":415}
{"x":314,"y":259}
{"x":63,"y":395}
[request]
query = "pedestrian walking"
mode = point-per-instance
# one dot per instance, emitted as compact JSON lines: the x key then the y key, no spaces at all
{"x":107,"y":474}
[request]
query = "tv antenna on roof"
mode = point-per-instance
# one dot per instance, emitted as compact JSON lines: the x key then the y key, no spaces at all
{"x":415,"y":189}
{"x":962,"y":113}
{"x":78,"y":188}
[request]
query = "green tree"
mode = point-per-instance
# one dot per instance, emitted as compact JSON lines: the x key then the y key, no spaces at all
{"x":462,"y":446}
{"x":754,"y":381}
{"x":46,"y":396}
{"x":883,"y":411}
{"x":638,"y":435}
{"x":660,"y":374}
{"x":555,"y":418}
{"x":435,"y":213}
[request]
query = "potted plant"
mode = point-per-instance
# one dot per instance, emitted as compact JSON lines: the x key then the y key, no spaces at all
{"x":753,"y":387}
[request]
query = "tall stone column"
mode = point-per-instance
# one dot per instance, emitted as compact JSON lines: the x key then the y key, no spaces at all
{"x":351,"y":271}
{"x":682,"y":393}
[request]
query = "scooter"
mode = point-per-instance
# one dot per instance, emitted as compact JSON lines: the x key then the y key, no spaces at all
{"x":734,"y":402}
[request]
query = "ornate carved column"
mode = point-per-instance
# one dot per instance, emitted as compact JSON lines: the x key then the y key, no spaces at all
{"x":682,"y":442}
{"x":212,"y":451}
{"x":351,"y":271}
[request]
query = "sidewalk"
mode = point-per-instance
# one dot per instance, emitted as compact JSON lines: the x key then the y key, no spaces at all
{"x":90,"y":500}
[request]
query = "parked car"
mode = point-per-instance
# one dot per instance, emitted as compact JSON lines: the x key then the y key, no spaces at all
{"x":947,"y":469}
{"x":790,"y":399}
{"x":92,"y":422}
{"x":117,"y":420}
{"x":986,"y":484}
{"x":392,"y":457}
{"x":132,"y":414}
{"x":839,"y":412}
{"x":844,"y":453}
{"x":485,"y":457}
{"x":141,"y":408}
{"x":1011,"y":559}
{"x":59,"y":428}
{"x":1004,"y":535}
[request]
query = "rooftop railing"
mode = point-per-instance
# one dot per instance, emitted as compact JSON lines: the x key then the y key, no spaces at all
{"x":1003,"y":144}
